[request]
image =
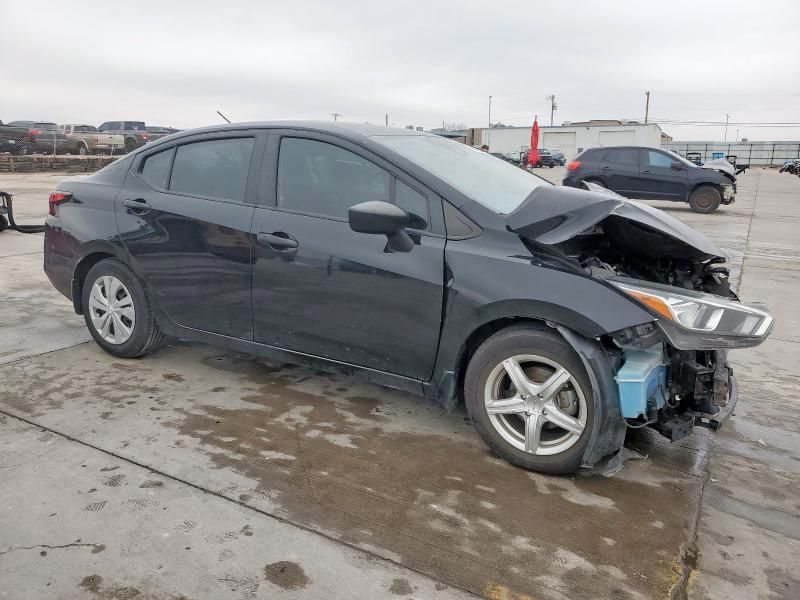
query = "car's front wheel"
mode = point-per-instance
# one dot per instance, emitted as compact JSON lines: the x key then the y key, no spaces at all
{"x":117,"y":311}
{"x":705,"y":199}
{"x":530,"y":399}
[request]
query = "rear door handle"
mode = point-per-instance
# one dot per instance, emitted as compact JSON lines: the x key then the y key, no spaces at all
{"x":605,"y":168}
{"x":646,"y":171}
{"x":282,"y":242}
{"x":138,"y":206}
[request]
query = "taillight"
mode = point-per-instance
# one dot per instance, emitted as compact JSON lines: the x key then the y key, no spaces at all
{"x":571,"y":166}
{"x":57,"y":198}
{"x":144,"y":136}
{"x":97,"y":139}
{"x":35,"y":132}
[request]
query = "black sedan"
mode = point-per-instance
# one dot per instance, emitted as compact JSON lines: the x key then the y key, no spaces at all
{"x":559,"y":316}
{"x":656,"y":174}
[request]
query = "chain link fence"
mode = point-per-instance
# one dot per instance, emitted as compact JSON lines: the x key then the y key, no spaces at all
{"x":113,"y":138}
{"x":765,"y":154}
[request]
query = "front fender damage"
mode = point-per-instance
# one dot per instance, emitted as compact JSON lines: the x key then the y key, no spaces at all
{"x":608,"y":430}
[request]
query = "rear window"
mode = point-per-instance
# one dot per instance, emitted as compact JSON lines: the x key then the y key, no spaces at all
{"x":46,"y":126}
{"x":85,"y":129}
{"x":134,"y":126}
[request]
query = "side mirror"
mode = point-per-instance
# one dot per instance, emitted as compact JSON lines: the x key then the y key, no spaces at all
{"x":379,"y":217}
{"x":676,"y":166}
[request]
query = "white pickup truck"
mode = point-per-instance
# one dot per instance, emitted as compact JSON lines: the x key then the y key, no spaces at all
{"x":85,"y":139}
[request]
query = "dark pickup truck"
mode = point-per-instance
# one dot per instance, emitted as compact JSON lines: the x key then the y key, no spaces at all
{"x":135,"y":132}
{"x":12,"y":139}
{"x":38,"y":137}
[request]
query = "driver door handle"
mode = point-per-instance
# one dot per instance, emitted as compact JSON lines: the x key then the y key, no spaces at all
{"x":138,"y":206}
{"x":282,"y":242}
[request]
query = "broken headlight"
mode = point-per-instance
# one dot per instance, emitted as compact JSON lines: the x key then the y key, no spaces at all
{"x":697,"y":321}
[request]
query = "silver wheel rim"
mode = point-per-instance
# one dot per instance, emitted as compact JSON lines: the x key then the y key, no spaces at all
{"x":111,"y":309}
{"x":535,"y":404}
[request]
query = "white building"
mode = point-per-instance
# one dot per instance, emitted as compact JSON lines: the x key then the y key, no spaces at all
{"x":572,"y":138}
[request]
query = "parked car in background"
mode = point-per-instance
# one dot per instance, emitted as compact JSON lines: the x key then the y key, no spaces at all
{"x":654,"y":173}
{"x":505,"y":157}
{"x":560,"y":316}
{"x":13,"y":139}
{"x":545,"y":159}
{"x":43,"y":138}
{"x":155,"y":132}
{"x":134,"y":132}
{"x":558,"y":157}
{"x":85,"y":139}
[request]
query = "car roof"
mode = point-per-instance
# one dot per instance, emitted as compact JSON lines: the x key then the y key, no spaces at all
{"x":353,"y":131}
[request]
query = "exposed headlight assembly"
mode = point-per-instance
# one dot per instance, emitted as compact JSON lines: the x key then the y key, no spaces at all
{"x":697,"y":321}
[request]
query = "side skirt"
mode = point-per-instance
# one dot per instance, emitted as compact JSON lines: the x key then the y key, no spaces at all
{"x":390,"y":380}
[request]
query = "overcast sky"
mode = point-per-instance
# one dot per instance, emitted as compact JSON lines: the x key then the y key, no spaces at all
{"x":175,"y":63}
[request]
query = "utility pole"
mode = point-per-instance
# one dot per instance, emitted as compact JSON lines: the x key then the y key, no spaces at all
{"x":647,"y":107}
{"x":553,"y":106}
{"x":489,"y":132}
{"x":727,"y":118}
{"x":387,"y":119}
{"x":336,"y":116}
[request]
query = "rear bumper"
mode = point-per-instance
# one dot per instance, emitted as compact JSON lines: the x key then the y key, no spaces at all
{"x":58,"y":258}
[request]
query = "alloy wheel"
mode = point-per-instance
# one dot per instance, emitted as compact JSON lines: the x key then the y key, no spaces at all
{"x":112,"y":311}
{"x":535,"y":404}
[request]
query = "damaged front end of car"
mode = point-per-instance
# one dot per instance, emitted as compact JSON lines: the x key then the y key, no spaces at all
{"x":671,"y":373}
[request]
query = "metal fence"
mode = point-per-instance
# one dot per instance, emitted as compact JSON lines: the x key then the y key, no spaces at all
{"x":752,"y":153}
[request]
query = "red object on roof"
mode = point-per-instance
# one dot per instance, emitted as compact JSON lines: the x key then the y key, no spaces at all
{"x":533,"y":153}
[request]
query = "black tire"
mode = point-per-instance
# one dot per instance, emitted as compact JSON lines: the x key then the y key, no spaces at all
{"x":83,"y":149}
{"x":130,"y":145}
{"x":3,"y":223}
{"x":146,"y":335}
{"x":705,"y":199}
{"x":527,"y":340}
{"x":551,"y":165}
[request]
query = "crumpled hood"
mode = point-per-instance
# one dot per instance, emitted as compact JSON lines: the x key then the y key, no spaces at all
{"x":551,"y":215}
{"x":720,"y":164}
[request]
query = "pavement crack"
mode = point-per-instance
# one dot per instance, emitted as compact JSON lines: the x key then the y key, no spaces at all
{"x":95,"y":547}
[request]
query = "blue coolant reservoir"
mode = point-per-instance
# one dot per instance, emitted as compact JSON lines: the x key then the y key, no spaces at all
{"x":643,"y":375}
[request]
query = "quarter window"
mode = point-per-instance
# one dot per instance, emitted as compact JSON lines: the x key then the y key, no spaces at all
{"x":215,"y":168}
{"x":155,"y":170}
{"x":323,"y":179}
{"x":656,"y":159}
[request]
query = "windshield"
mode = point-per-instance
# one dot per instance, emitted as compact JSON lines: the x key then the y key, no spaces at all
{"x":493,"y":182}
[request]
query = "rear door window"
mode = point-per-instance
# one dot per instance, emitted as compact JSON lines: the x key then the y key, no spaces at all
{"x":622,"y":156}
{"x":155,"y":169}
{"x":213,"y":168}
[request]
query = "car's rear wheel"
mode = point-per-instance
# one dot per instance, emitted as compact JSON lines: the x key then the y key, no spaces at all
{"x":705,"y":199}
{"x":83,"y":149}
{"x":118,"y":312}
{"x":530,"y":399}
